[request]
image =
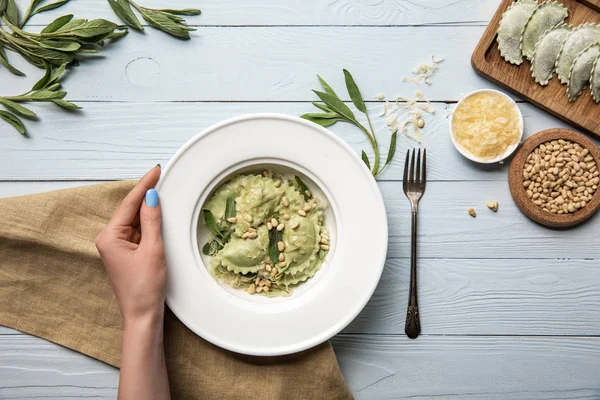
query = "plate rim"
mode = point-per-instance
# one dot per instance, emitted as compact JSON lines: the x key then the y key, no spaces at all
{"x":357,"y":309}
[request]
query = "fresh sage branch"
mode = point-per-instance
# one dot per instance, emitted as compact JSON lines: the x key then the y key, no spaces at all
{"x":61,"y":42}
{"x":334,"y":110}
{"x":47,"y":89}
{"x":165,"y":19}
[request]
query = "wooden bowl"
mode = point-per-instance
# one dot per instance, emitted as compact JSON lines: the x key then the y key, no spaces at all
{"x":519,"y":194}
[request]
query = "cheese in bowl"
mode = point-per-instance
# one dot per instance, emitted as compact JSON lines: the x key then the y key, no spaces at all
{"x":486,"y":126}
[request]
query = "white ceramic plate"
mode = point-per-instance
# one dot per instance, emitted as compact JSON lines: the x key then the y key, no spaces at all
{"x":317,"y":309}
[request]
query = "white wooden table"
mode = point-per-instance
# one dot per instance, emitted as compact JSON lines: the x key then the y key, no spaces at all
{"x":510,"y":310}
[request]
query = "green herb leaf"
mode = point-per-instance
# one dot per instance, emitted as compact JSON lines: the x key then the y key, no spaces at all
{"x":161,"y":21}
{"x":275,"y":237}
{"x":322,"y":254}
{"x":89,"y":29}
{"x":366,"y":159}
{"x":66,"y":104}
{"x":206,"y":249}
{"x":13,"y":120}
{"x":55,"y":57}
{"x":230,"y":210}
{"x":43,"y":95}
{"x":323,"y":121}
{"x":57,"y":74}
{"x":391,"y":151}
{"x":61,"y":45}
{"x":12,"y":12}
{"x":17,"y":108}
{"x":354,"y":92}
{"x":326,"y":86}
{"x":4,"y":62}
{"x":72,"y":24}
{"x":45,"y":79}
{"x":54,"y":87}
{"x":211,"y":224}
{"x":123,"y":10}
{"x":57,"y":23}
{"x":336,"y":104}
{"x":303,"y":188}
{"x":50,"y":6}
{"x":3,"y":5}
{"x":322,"y":106}
{"x":184,"y":11}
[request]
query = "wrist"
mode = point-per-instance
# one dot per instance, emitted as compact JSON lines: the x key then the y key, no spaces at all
{"x":147,"y":322}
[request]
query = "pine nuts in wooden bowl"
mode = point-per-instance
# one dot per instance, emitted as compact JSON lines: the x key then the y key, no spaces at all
{"x":554,"y":178}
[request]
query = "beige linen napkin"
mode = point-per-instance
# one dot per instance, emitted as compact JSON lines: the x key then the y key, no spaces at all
{"x":53,"y":285}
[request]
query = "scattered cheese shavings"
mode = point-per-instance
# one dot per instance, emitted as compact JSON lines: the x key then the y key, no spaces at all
{"x":380,"y":96}
{"x":399,"y":120}
{"x":424,"y":71}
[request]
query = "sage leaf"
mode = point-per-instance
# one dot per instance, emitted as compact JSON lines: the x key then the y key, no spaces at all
{"x":51,"y":6}
{"x":57,"y":23}
{"x":66,"y":104}
{"x":12,"y":12}
{"x":54,"y":87}
{"x":45,"y":79}
{"x":123,"y":10}
{"x":184,"y":11}
{"x":43,"y":95}
{"x":323,"y":121}
{"x":3,"y":5}
{"x":61,"y":45}
{"x":365,"y":159}
{"x":230,"y":209}
{"x":162,"y":22}
{"x":354,"y":92}
{"x":13,"y":120}
{"x":275,"y":237}
{"x":17,"y":108}
{"x":322,"y":106}
{"x":326,"y":86}
{"x":303,"y":188}
{"x":55,"y":57}
{"x":322,"y":254}
{"x":57,"y":74}
{"x":4,"y":62}
{"x":336,"y":104}
{"x":72,"y":24}
{"x":391,"y":151}
{"x":211,"y":224}
{"x":206,"y":249}
{"x":93,"y":28}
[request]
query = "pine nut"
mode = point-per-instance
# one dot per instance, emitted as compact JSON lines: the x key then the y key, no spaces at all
{"x":277,"y":184}
{"x":245,"y":235}
{"x":302,"y":213}
{"x":280,"y":227}
{"x":325,"y":247}
{"x":287,"y":217}
{"x":269,"y":225}
{"x":251,"y":288}
{"x":281,"y":257}
{"x":232,"y":220}
{"x":268,"y":267}
{"x":285,"y":202}
{"x":280,"y":246}
{"x":252,"y":235}
{"x":274,"y":222}
{"x":295,"y":224}
{"x":249,"y":218}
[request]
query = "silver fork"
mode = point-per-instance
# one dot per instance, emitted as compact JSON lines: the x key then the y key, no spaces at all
{"x":414,"y":187}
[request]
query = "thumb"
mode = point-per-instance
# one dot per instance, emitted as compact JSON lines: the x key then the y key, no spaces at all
{"x":150,"y":218}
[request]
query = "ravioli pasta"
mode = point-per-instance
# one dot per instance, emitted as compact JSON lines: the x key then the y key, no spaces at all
{"x":552,"y":46}
{"x":268,"y":233}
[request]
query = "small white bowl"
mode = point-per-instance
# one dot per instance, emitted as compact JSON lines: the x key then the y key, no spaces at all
{"x":472,"y":157}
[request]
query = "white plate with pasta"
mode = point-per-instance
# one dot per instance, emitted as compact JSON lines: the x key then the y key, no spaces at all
{"x":275,"y":233}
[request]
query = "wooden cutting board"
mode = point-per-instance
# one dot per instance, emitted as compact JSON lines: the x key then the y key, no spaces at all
{"x":486,"y":60}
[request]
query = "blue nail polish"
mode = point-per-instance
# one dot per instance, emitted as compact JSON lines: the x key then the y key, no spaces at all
{"x":152,"y":198}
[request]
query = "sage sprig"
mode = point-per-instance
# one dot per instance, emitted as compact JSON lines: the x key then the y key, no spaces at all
{"x":334,"y":110}
{"x":165,"y":19}
{"x":34,"y":9}
{"x":47,"y":89}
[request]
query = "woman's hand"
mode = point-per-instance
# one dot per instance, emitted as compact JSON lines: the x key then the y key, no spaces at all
{"x":132,"y":250}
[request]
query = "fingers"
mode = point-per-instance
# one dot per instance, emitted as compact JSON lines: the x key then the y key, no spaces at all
{"x":150,"y":218}
{"x":130,"y":206}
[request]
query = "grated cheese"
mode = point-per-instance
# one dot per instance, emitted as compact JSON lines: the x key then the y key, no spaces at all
{"x":486,"y":124}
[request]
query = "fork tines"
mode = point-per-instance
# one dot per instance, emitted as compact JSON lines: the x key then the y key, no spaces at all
{"x":411,"y":180}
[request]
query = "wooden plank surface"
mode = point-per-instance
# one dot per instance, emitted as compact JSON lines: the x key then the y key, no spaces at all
{"x":376,"y":367}
{"x":268,"y":64}
{"x":122,"y":140}
{"x":303,"y":12}
{"x":486,"y":59}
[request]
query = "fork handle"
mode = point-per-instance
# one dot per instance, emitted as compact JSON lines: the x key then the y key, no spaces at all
{"x":412,"y":327}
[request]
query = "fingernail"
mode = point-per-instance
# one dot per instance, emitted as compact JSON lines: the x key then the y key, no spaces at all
{"x":152,"y":198}
{"x":158,"y":165}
